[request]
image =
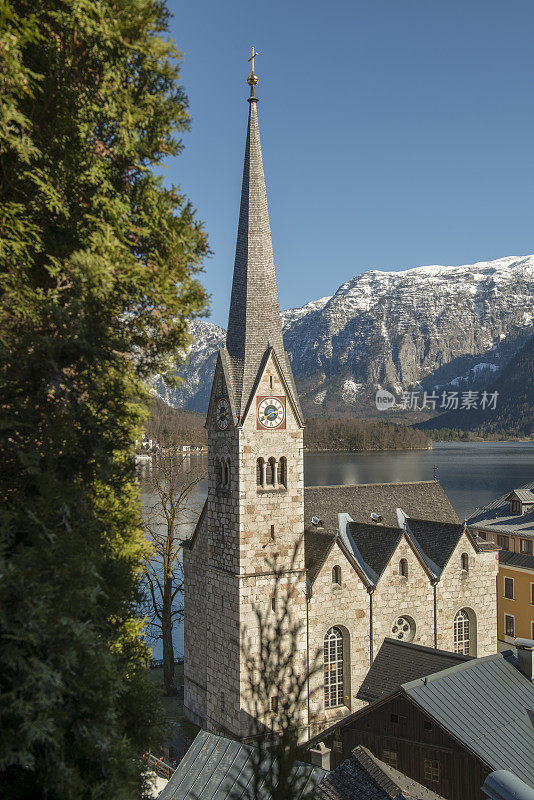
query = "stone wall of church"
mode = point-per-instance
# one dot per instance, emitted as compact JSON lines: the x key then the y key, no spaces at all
{"x":346,"y":607}
{"x":195,"y":629}
{"x":475,"y":590}
{"x":398,"y":597}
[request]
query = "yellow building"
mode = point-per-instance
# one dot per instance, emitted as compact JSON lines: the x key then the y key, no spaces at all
{"x":509,"y":522}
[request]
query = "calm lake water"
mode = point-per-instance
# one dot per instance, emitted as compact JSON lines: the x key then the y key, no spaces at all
{"x":472,"y":474}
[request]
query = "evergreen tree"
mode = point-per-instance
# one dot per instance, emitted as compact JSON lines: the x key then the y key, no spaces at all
{"x":98,"y":270}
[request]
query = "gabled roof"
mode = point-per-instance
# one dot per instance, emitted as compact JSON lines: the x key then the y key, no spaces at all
{"x":216,"y":768}
{"x":488,"y":706}
{"x":438,"y":539}
{"x":524,"y":495}
{"x":365,"y":777}
{"x":496,"y":517}
{"x":376,"y":544}
{"x":420,"y":499}
{"x":398,"y":662}
{"x":317,"y":546}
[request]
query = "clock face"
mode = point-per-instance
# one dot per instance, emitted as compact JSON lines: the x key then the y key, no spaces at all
{"x":222,"y":414}
{"x":271,"y":412}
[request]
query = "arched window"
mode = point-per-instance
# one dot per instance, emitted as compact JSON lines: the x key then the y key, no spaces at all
{"x":282,"y":472}
{"x":465,"y":562}
{"x":270,"y":472}
{"x":218,"y":472}
{"x":227,"y":473}
{"x":333,"y":668}
{"x":403,"y":568}
{"x":259,"y":471}
{"x":336,"y":576}
{"x":462,"y":633}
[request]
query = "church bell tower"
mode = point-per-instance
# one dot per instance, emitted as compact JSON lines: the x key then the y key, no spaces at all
{"x":249,"y":543}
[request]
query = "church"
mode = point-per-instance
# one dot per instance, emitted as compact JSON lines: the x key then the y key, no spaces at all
{"x":359,"y":563}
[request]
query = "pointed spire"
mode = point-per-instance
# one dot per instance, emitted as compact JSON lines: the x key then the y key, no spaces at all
{"x":254,"y":321}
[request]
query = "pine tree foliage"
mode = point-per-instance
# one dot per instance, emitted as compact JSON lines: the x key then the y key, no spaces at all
{"x":98,"y":268}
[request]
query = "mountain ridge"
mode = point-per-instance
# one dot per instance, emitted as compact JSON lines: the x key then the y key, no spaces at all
{"x":428,"y":326}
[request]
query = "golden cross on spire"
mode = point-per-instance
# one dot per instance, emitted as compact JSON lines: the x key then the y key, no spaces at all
{"x":252,"y":79}
{"x":252,"y":57}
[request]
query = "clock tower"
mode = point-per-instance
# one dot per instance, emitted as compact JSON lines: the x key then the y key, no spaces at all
{"x":247,"y":552}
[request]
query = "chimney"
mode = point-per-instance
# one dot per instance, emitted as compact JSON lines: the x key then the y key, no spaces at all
{"x":525,"y":657}
{"x":320,"y":756}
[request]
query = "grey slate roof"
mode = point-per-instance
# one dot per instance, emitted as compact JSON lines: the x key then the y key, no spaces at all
{"x":216,"y":768}
{"x":317,"y":545}
{"x":488,"y":705}
{"x":436,"y":539}
{"x":365,"y":777}
{"x":509,"y":559}
{"x":254,"y":319}
{"x":420,"y":499}
{"x":496,"y":517}
{"x":376,"y":544}
{"x":398,"y":662}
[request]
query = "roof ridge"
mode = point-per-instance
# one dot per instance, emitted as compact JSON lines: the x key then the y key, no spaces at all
{"x":426,"y":649}
{"x":353,"y":485}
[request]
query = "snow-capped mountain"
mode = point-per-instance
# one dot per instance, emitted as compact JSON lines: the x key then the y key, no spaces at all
{"x":432,"y":326}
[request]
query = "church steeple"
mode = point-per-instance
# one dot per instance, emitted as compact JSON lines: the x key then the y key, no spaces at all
{"x":254,"y":321}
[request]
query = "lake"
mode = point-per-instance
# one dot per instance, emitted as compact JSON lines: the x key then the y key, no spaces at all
{"x":472,"y":474}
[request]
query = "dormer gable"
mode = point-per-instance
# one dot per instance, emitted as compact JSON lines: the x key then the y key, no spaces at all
{"x":521,"y":501}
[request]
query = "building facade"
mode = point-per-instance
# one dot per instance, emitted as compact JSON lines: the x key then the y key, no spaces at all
{"x":340,"y":567}
{"x":508,"y":522}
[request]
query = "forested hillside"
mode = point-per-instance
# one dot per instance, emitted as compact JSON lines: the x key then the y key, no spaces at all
{"x":173,"y":426}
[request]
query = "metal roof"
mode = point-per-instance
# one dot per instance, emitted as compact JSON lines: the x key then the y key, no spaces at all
{"x":488,"y":705}
{"x":496,"y":517}
{"x":216,"y":768}
{"x":525,"y":495}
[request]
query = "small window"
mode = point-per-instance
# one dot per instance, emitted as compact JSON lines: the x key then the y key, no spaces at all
{"x":226,"y":473}
{"x":218,"y":473}
{"x":509,"y":625}
{"x":259,"y":471}
{"x":390,"y":757}
{"x":432,"y":770}
{"x":403,"y":568}
{"x":271,"y":382}
{"x":336,"y":576}
{"x":282,"y":472}
{"x":272,"y":533}
{"x":481,"y":534}
{"x":503,"y":542}
{"x":509,"y":588}
{"x":526,"y":546}
{"x":394,"y":717}
{"x":274,"y":704}
{"x":269,"y":472}
{"x":465,"y":562}
{"x":427,"y":725}
{"x":222,"y":702}
{"x":532,"y":630}
{"x":532,"y":594}
{"x":273,"y":603}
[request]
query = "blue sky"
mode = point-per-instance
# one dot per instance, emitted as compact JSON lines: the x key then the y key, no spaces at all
{"x":395,"y":133}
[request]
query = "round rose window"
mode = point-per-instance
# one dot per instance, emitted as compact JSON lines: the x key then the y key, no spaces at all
{"x":403,"y":628}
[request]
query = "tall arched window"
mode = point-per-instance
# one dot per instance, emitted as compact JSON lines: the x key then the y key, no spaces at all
{"x":259,"y":471}
{"x":270,"y":472}
{"x":336,"y":576}
{"x":218,"y":472}
{"x":403,"y":568}
{"x":227,"y":473}
{"x":333,"y":668}
{"x":462,"y":633}
{"x":465,"y":562}
{"x":282,"y":472}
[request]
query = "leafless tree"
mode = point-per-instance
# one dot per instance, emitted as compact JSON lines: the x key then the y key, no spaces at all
{"x":279,"y":675}
{"x":168,"y":522}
